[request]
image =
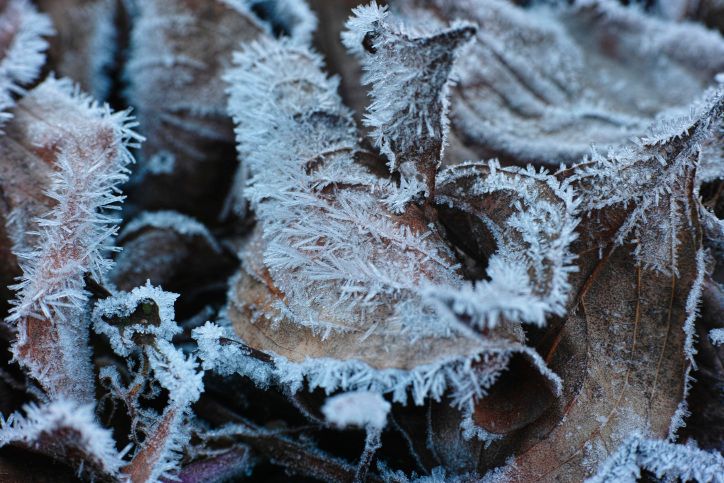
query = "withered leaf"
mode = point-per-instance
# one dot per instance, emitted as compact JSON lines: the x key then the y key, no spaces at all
{"x":333,"y":279}
{"x":626,"y":347}
{"x":174,"y":251}
{"x":80,"y":152}
{"x":67,"y":433}
{"x":543,"y":84}
{"x":85,"y":45}
{"x":179,"y":50}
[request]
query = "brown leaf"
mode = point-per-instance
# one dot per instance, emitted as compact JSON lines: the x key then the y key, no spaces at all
{"x":65,"y":157}
{"x":625,"y":348}
{"x":67,"y":433}
{"x":333,"y":278}
{"x":179,"y":50}
{"x":543,"y":84}
{"x":84,"y":47}
{"x":173,"y":251}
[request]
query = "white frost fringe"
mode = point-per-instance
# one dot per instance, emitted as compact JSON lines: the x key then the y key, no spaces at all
{"x":456,"y":375}
{"x":665,"y":460}
{"x":67,"y":416}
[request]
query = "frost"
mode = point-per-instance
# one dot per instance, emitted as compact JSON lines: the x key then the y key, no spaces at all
{"x":23,"y":49}
{"x":182,"y":224}
{"x":64,"y":430}
{"x":528,"y":274}
{"x":651,"y":176}
{"x":409,"y":129}
{"x":541,"y":84}
{"x":73,"y":237}
{"x":123,"y":337}
{"x":717,"y":336}
{"x":140,"y":326}
{"x":179,"y":51}
{"x":665,"y":460}
{"x":332,"y":276}
{"x":438,"y":475}
{"x":219,"y":349}
{"x":360,"y":409}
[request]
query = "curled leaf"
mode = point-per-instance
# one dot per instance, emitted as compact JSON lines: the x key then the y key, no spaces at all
{"x":410,"y":130}
{"x":332,"y":278}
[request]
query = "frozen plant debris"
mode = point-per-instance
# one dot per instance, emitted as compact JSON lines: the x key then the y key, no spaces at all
{"x":24,"y":33}
{"x":544,"y":83}
{"x":331,"y":278}
{"x":406,"y":241}
{"x":665,"y":460}
{"x":65,"y":431}
{"x":89,"y":156}
{"x":409,"y":130}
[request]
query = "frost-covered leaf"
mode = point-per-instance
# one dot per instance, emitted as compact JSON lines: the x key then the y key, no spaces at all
{"x":68,"y":433}
{"x":410,"y":129}
{"x":663,"y":459}
{"x":626,"y":347}
{"x":172,"y":250}
{"x":333,"y":278}
{"x":86,"y":42}
{"x":649,"y":180}
{"x":522,"y":226}
{"x":85,"y":146}
{"x":140,"y":325}
{"x":543,"y":84}
{"x":23,"y":46}
{"x":23,"y":49}
{"x":179,"y":50}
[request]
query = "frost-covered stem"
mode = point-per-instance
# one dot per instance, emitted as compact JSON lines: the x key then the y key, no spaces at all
{"x":372,"y":444}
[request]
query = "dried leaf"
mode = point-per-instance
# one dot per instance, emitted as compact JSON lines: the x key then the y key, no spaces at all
{"x":67,"y":433}
{"x":626,"y":347}
{"x":543,"y":84}
{"x":85,"y":46}
{"x":172,"y":250}
{"x":409,"y":130}
{"x":665,"y":460}
{"x":332,"y":278}
{"x":179,"y":49}
{"x":86,"y":147}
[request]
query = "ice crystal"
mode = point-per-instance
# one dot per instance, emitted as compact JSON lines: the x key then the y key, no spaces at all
{"x":717,"y":336}
{"x":544,"y":83}
{"x":665,"y":460}
{"x":650,"y":176}
{"x":141,"y":323}
{"x":24,"y":48}
{"x":350,"y":271}
{"x":63,"y":429}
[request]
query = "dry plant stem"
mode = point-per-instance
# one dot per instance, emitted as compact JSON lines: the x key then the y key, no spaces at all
{"x":280,"y":449}
{"x":372,"y":444}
